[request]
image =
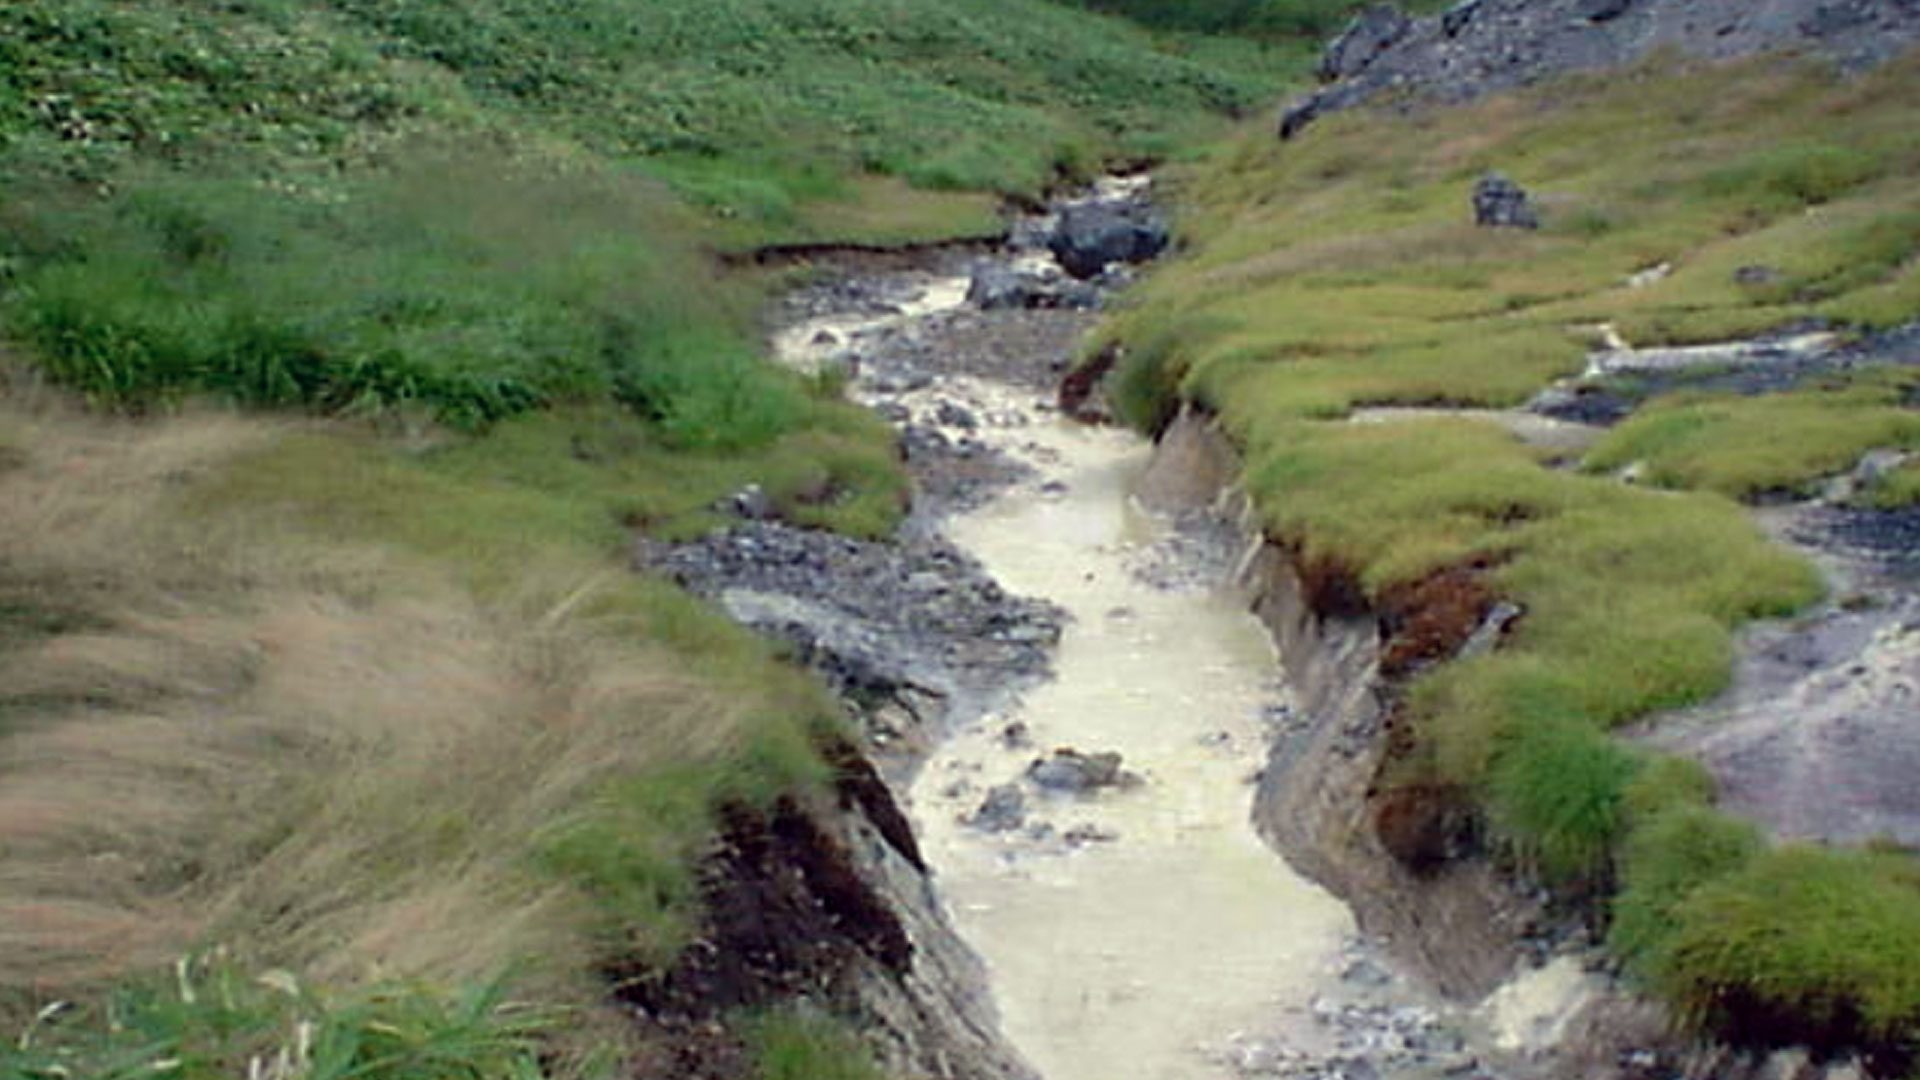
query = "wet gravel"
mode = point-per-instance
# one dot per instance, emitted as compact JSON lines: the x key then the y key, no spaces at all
{"x":1884,"y":543}
{"x":876,"y":617}
{"x":1768,"y":365}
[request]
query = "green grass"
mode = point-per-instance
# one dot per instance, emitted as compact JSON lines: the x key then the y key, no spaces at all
{"x":1749,"y":447}
{"x":1815,"y":941}
{"x":509,"y":293}
{"x":747,"y":105}
{"x":211,"y":1021}
{"x":1303,"y":19}
{"x":799,"y":1045}
{"x":1342,"y":271}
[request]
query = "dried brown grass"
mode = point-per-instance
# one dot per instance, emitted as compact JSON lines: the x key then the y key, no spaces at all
{"x":223,"y":731}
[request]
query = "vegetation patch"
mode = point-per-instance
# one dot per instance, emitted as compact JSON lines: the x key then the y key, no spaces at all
{"x":1747,"y":447}
{"x":210,"y":1020}
{"x":1342,"y":270}
{"x":344,"y":709}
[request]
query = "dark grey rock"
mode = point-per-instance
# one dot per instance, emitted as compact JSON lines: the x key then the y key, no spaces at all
{"x":1082,"y":835}
{"x":1092,"y":235}
{"x":1756,"y":276}
{"x":1599,"y":11}
{"x":1483,"y":46}
{"x":1371,"y":32}
{"x":1499,"y":203}
{"x":996,"y":285}
{"x":954,"y":414}
{"x":836,"y":603}
{"x":1827,"y":20}
{"x":1456,"y":18}
{"x":1004,"y":810}
{"x":1072,"y":771}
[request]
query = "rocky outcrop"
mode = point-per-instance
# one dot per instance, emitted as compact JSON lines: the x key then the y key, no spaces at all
{"x":1375,"y":30}
{"x":1481,"y":46}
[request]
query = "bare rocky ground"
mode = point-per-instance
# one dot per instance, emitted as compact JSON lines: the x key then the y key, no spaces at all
{"x":1819,"y":737}
{"x":1477,"y":47}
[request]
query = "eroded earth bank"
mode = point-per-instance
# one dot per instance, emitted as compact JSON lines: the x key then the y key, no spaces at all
{"x":1065,"y":683}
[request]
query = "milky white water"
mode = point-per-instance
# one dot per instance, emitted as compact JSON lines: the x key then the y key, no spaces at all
{"x":1142,"y":957}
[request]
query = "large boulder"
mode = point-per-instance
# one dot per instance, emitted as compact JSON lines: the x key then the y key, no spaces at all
{"x":1499,"y":203}
{"x":1092,"y":235}
{"x":1373,"y":31}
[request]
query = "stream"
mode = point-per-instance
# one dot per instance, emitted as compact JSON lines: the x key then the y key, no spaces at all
{"x":1089,"y":833}
{"x":1068,"y":694}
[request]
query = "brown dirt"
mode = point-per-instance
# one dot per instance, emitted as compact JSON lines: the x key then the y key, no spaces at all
{"x":788,"y":917}
{"x":1427,"y":621}
{"x":1078,"y":389}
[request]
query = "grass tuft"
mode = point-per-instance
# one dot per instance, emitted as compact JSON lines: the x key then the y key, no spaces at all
{"x":207,"y":1020}
{"x":804,"y":1045}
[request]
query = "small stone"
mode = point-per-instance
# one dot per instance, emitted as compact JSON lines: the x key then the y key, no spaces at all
{"x":1004,"y":810}
{"x":925,"y":581}
{"x":749,"y":503}
{"x":953,"y":414}
{"x":1082,"y":835}
{"x":1364,"y":972}
{"x":1072,"y":771}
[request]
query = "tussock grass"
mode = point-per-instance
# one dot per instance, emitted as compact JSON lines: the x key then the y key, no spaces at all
{"x":1815,"y":944}
{"x":402,"y":719}
{"x":1748,"y":447}
{"x":1340,"y":270}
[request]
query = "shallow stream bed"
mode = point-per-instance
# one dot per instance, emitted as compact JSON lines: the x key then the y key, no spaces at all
{"x":1089,"y":833}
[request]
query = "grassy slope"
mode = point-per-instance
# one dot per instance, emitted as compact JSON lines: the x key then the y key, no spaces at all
{"x":749,"y":105}
{"x":1343,"y":270}
{"x":379,"y":699}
